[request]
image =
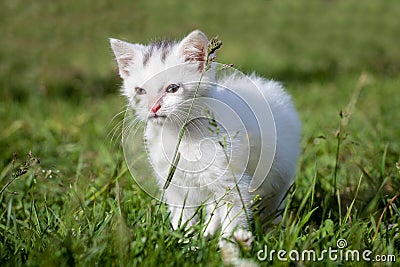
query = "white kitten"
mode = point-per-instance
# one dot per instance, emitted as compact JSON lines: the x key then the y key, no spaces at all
{"x":242,"y":139}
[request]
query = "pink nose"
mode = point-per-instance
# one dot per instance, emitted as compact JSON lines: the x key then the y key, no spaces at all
{"x":155,"y":108}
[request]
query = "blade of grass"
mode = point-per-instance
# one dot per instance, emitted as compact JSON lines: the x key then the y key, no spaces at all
{"x":383,"y":213}
{"x":213,"y":45}
{"x":352,"y":203}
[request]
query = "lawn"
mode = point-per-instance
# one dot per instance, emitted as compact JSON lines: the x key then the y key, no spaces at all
{"x":67,"y":197}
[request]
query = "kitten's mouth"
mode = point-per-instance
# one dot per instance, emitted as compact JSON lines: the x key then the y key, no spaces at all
{"x":157,"y":117}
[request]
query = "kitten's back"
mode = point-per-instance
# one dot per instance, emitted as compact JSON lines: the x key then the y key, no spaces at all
{"x":274,"y":132}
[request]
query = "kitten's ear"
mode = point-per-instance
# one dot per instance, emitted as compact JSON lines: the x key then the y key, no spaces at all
{"x":194,"y":46}
{"x":124,"y":54}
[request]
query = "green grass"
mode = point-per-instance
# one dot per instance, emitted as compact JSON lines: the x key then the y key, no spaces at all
{"x":80,"y":205}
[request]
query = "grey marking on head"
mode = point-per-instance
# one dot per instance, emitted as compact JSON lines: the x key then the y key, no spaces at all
{"x":147,"y":55}
{"x":165,"y":46}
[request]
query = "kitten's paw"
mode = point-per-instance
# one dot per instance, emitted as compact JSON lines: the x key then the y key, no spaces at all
{"x":229,"y":252}
{"x":230,"y":255}
{"x":243,"y":237}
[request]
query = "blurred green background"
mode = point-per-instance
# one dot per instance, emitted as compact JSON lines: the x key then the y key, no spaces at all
{"x":59,"y":87}
{"x":61,"y":48}
{"x":57,"y":70}
{"x":59,"y":96}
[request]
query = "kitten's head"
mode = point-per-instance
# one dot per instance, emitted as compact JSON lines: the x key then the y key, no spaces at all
{"x":159,"y":77}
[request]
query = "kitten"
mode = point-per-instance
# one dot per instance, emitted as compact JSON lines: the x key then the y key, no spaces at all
{"x":241,"y":140}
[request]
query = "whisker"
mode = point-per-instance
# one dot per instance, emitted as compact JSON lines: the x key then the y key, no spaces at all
{"x":131,"y":127}
{"x":127,"y":121}
{"x":115,"y":128}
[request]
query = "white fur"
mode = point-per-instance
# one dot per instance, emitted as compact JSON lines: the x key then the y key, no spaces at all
{"x":204,"y":174}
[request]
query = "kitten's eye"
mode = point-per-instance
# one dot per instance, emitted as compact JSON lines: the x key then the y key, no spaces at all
{"x":140,"y":91}
{"x":172,"y":88}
